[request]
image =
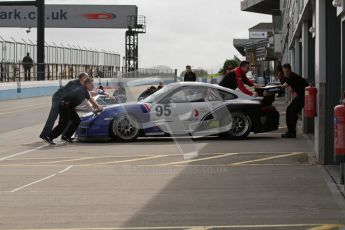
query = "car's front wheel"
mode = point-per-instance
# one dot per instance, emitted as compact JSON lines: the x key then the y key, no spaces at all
{"x":125,"y":128}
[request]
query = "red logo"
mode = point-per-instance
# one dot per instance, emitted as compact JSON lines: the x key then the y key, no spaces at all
{"x":196,"y":113}
{"x":99,"y":16}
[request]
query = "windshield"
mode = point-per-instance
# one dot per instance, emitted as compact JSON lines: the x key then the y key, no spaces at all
{"x":105,"y":101}
{"x":153,"y":97}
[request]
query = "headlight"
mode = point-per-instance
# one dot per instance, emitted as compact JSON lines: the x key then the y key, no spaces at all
{"x":88,"y":116}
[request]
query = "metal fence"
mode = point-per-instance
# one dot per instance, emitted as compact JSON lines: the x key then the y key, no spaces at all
{"x":145,"y":73}
{"x":61,"y":61}
{"x":10,"y":72}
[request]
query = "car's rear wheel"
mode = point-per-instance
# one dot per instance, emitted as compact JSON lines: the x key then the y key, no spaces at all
{"x":125,"y":128}
{"x":241,"y":126}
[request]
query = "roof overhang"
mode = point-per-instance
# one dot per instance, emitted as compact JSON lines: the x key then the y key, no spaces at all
{"x":240,"y":44}
{"x":260,"y":6}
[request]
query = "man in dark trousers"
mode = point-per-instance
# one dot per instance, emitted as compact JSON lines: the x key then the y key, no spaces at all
{"x":55,"y":108}
{"x":189,"y":75}
{"x":67,"y":113}
{"x":297,"y":86}
{"x":238,"y":78}
{"x":28,"y":63}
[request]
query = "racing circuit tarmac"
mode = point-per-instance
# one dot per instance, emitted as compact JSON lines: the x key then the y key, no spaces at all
{"x":261,"y":183}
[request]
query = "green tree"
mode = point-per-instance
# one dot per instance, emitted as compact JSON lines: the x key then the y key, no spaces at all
{"x":234,"y":62}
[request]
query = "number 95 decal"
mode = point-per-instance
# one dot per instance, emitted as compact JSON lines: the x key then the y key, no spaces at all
{"x":163,"y":110}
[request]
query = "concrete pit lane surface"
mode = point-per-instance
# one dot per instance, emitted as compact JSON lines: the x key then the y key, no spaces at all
{"x":263,"y":182}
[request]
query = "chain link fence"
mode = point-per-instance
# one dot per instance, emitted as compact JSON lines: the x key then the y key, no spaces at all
{"x":61,"y":61}
{"x":11,"y":72}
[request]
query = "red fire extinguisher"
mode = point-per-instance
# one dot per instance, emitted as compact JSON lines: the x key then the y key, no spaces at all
{"x":310,"y":102}
{"x":339,"y":132}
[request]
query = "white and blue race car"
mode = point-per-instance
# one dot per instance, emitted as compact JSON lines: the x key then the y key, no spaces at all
{"x":186,"y":108}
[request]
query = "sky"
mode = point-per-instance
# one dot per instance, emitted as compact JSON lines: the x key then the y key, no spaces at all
{"x":179,"y":32}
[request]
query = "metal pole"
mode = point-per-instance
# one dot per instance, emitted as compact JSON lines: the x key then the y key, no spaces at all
{"x":342,"y":172}
{"x":17,"y":3}
{"x":344,"y":175}
{"x":40,"y":40}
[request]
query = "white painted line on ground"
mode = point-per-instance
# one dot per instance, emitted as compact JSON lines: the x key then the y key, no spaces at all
{"x":85,"y":158}
{"x":43,"y":179}
{"x":66,"y":169}
{"x":35,"y":182}
{"x":21,"y":153}
{"x":199,"y":228}
{"x":266,"y":159}
{"x":97,"y":157}
{"x":327,"y":227}
{"x":131,"y":160}
{"x":197,"y":160}
{"x":225,"y":165}
{"x":275,"y":226}
{"x":191,"y":155}
{"x":266,"y":134}
{"x":69,"y":160}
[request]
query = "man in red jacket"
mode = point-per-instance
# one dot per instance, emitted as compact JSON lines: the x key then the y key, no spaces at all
{"x":238,"y":78}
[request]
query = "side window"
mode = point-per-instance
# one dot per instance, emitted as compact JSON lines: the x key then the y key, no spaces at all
{"x":175,"y":97}
{"x":226,"y":95}
{"x":178,"y":97}
{"x":213,"y":95}
{"x":189,"y":94}
{"x":196,"y":94}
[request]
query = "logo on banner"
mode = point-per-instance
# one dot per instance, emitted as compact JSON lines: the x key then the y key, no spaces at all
{"x":99,"y":16}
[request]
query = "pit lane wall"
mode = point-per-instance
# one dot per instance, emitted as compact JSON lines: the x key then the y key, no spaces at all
{"x":18,"y":90}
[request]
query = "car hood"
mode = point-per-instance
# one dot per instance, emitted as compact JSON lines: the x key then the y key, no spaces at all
{"x":123,"y":105}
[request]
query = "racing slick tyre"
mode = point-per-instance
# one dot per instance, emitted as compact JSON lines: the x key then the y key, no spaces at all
{"x":125,"y":128}
{"x":241,"y":126}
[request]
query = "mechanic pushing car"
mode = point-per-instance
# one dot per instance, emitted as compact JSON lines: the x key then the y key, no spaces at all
{"x":67,"y":111}
{"x":54,"y":111}
{"x":237,"y":79}
{"x":149,"y":91}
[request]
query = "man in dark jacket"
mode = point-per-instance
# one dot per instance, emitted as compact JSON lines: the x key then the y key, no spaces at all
{"x":27,"y":65}
{"x":189,"y":75}
{"x":151,"y":90}
{"x":297,"y":86}
{"x":67,"y":111}
{"x":55,"y":108}
{"x":237,"y":79}
{"x":282,"y":78}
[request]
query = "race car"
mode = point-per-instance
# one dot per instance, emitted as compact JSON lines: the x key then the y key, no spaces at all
{"x":182,"y":109}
